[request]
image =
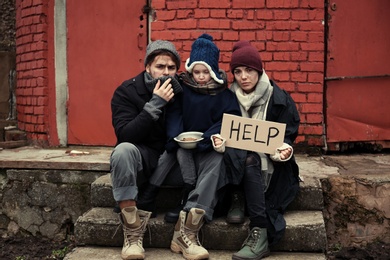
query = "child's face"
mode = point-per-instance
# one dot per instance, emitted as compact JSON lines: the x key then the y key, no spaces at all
{"x":201,"y":74}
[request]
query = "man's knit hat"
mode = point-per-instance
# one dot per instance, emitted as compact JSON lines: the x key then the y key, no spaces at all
{"x":244,"y":54}
{"x":162,"y":45}
{"x":205,"y":52}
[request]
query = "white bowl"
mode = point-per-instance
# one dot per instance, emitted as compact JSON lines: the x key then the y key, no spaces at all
{"x":188,"y":144}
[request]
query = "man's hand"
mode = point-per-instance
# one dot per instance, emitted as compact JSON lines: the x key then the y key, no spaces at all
{"x":165,"y":91}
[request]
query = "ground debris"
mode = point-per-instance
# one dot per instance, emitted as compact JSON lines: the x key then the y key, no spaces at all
{"x":33,"y":248}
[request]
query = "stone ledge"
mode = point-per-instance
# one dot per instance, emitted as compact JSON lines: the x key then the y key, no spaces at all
{"x":100,"y":226}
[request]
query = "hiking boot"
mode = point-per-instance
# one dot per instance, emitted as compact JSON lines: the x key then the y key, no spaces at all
{"x":173,"y":215}
{"x":255,"y":246}
{"x":236,"y":214}
{"x":134,"y":223}
{"x":185,"y":237}
{"x":147,"y":199}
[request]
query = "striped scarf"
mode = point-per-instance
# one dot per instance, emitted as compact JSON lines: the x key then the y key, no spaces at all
{"x":210,"y":88}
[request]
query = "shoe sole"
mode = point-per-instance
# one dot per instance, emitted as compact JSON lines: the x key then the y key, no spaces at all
{"x":263,"y":255}
{"x":175,"y":248}
{"x":235,"y":221}
{"x":129,"y":257}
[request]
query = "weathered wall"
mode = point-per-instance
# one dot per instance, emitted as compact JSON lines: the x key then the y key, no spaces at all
{"x":43,"y":202}
{"x":357,"y":210}
{"x":32,"y":69}
{"x":7,"y":25}
{"x":7,"y":63}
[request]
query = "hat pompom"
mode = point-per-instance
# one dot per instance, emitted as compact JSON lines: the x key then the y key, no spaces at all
{"x":205,"y":52}
{"x":244,"y":54}
{"x":206,"y":36}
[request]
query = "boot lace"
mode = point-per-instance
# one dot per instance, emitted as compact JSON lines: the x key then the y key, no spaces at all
{"x":252,"y":239}
{"x":191,"y":235}
{"x":133,"y":236}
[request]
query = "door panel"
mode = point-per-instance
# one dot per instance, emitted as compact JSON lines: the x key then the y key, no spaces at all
{"x":106,"y":43}
{"x":358,"y":110}
{"x":357,"y":74}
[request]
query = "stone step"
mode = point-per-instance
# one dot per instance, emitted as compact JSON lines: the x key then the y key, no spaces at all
{"x":107,"y":253}
{"x":305,"y":232}
{"x":310,"y":196}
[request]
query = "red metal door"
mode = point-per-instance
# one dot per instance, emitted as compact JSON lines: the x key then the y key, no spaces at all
{"x":106,"y":43}
{"x":358,"y":72}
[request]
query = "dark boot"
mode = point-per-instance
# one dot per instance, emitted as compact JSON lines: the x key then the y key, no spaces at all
{"x":255,"y":246}
{"x":147,"y":199}
{"x":173,"y":216}
{"x":236,"y":214}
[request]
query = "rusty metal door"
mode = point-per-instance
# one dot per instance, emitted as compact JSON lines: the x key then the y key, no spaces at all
{"x":106,"y":43}
{"x":357,"y":82}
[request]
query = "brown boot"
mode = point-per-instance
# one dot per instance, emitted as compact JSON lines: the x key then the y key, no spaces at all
{"x":185,"y":237}
{"x":134,"y":223}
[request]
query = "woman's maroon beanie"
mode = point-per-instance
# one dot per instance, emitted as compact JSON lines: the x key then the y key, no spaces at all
{"x":244,"y":54}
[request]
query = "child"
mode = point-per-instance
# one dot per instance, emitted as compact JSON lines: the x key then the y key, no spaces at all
{"x":200,"y":107}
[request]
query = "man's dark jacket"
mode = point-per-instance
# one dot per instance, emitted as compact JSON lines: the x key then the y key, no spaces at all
{"x":134,"y":125}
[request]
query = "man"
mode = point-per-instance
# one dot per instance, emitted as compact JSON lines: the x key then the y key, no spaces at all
{"x":138,"y":106}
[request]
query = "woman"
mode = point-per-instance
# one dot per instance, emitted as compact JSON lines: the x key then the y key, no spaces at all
{"x":270,"y":182}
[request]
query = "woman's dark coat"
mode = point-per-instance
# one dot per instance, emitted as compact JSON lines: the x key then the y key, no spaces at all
{"x":284,"y":184}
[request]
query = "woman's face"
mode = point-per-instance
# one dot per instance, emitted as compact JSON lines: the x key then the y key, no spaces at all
{"x":201,"y":74}
{"x":246,"y":78}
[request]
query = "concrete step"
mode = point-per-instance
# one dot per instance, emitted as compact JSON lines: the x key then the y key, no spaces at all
{"x":305,"y":232}
{"x":310,"y":196}
{"x":107,"y":253}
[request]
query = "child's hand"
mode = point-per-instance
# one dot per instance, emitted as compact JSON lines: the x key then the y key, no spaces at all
{"x":218,"y":143}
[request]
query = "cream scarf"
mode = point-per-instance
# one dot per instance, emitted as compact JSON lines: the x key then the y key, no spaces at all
{"x":254,"y":105}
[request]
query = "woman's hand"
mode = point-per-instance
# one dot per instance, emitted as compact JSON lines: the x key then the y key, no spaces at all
{"x":285,"y":153}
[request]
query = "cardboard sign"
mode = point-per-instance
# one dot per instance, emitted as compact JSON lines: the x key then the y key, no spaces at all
{"x":252,"y":134}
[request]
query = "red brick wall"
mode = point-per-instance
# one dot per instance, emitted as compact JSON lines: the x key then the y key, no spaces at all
{"x":32,"y":68}
{"x":288,"y":33}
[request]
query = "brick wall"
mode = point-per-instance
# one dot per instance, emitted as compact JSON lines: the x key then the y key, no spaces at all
{"x":32,"y":69}
{"x":288,"y":33}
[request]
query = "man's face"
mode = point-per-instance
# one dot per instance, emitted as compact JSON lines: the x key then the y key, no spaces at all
{"x":162,"y":65}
